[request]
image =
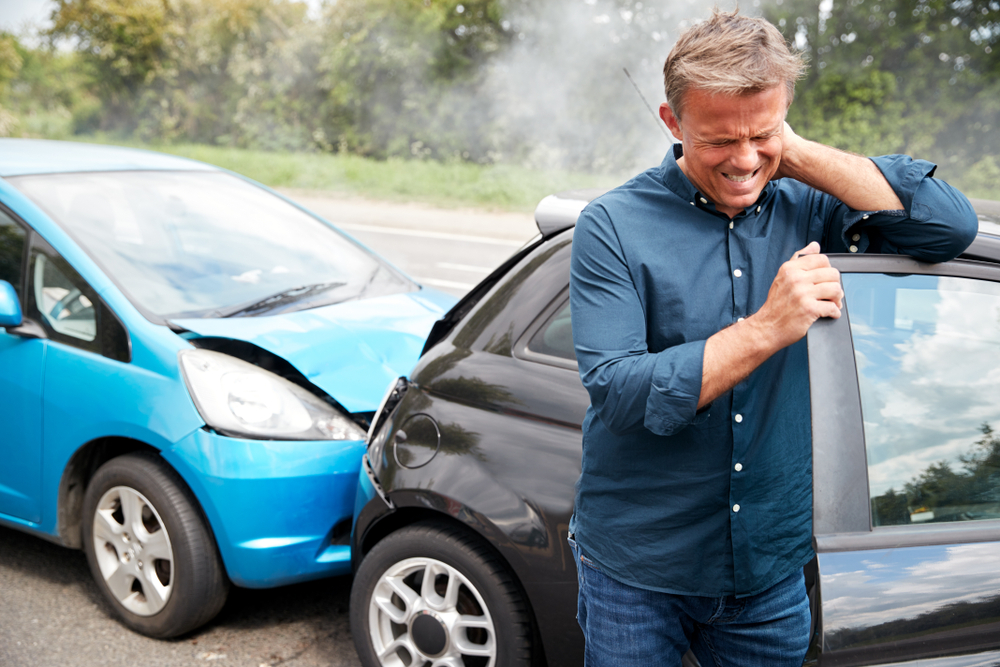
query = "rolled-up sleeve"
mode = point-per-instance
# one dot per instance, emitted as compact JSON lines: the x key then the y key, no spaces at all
{"x":629,"y":386}
{"x":936,"y":224}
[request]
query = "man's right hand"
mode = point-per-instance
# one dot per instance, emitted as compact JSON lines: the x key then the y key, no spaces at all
{"x":805,"y":289}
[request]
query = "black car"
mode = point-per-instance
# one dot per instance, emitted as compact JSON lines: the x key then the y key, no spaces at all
{"x":459,"y":543}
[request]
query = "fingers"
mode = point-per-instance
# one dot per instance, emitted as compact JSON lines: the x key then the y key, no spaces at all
{"x":830,"y":292}
{"x":811,"y":249}
{"x":805,"y":289}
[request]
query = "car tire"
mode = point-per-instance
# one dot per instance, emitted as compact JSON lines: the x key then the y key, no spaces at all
{"x":474,"y":613}
{"x":149,"y":548}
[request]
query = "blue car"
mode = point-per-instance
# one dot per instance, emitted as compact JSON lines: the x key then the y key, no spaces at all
{"x":188,"y":366}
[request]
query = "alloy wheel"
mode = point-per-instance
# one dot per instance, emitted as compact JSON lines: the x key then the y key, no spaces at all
{"x":133,"y":551}
{"x":425,"y":613}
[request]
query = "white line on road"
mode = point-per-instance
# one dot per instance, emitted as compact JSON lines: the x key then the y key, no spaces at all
{"x":437,"y":282}
{"x":463,"y":267}
{"x":400,"y":231}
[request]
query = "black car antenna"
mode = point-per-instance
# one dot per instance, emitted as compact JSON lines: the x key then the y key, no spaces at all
{"x":656,"y":119}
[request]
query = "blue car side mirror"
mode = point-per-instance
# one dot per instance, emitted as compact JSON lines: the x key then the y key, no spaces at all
{"x":10,"y":307}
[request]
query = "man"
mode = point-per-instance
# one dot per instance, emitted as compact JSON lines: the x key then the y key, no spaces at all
{"x":692,"y":288}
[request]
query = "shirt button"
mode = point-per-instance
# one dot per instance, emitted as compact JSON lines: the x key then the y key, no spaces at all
{"x":737,"y":273}
{"x":703,"y":200}
{"x":758,"y":209}
{"x":853,"y":248}
{"x":865,"y":216}
{"x":856,"y":237}
{"x":738,"y":467}
{"x":692,"y":203}
{"x":738,"y":418}
{"x":730,"y":224}
{"x":736,"y":508}
{"x":740,"y":319}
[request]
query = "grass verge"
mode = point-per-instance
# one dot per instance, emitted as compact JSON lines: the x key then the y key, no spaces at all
{"x":457,"y":184}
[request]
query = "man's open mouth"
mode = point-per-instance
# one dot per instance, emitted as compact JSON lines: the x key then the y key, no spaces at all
{"x":742,"y":179}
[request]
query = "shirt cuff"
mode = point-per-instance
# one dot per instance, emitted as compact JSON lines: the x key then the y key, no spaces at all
{"x":676,"y":386}
{"x":904,"y":175}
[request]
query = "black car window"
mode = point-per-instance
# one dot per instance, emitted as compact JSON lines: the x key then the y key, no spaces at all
{"x":928,"y":359}
{"x":11,"y":251}
{"x":555,"y":337}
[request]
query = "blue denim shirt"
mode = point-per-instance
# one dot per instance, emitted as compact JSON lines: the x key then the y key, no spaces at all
{"x":717,"y":501}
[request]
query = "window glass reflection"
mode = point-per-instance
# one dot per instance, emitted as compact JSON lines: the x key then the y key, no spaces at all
{"x":927,"y":350}
{"x":556,"y":337}
{"x":205,"y":244}
{"x":61,"y":303}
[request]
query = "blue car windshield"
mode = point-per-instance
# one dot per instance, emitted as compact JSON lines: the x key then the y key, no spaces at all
{"x":207,"y":244}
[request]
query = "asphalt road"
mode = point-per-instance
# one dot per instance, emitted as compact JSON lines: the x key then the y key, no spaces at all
{"x":51,"y":611}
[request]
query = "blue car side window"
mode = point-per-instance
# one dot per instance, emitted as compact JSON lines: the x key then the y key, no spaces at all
{"x":69,"y":309}
{"x":927,"y":350}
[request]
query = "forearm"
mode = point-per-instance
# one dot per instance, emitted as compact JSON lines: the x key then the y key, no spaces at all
{"x":853,"y":179}
{"x":731,"y":355}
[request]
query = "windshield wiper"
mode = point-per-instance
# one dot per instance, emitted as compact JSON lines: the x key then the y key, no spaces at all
{"x":279,"y":299}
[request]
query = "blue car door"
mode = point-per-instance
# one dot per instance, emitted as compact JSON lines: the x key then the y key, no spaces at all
{"x":21,"y":364}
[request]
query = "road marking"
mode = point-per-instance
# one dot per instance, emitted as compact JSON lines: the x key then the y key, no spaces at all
{"x":400,"y":231}
{"x":463,"y":267}
{"x":436,"y":282}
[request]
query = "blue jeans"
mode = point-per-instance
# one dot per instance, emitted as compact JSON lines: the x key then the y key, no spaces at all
{"x":624,"y":625}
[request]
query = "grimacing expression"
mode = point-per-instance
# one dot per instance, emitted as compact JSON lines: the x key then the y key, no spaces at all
{"x":732,"y":143}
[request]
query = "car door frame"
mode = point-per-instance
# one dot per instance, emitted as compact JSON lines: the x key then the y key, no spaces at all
{"x":841,"y":500}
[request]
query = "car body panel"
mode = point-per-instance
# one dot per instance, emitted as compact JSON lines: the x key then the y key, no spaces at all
{"x":919,"y":602}
{"x":496,"y":412}
{"x":21,"y":396}
{"x":34,"y":156}
{"x":351,"y":350}
{"x":279,"y":510}
{"x":239,"y":483}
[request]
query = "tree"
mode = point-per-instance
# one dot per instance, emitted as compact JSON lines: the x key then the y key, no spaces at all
{"x":900,"y":76}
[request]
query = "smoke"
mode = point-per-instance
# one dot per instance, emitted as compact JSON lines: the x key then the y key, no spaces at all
{"x":559,"y":95}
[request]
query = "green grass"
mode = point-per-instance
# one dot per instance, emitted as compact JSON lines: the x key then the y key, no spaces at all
{"x":456,"y":184}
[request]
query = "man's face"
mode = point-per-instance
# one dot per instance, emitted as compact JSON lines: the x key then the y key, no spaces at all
{"x":732,"y":143}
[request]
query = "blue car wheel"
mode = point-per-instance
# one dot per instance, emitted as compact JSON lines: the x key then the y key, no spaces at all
{"x":149,"y":548}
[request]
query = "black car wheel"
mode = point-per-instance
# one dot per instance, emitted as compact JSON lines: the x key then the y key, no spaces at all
{"x":431,"y":594}
{"x":149,"y":548}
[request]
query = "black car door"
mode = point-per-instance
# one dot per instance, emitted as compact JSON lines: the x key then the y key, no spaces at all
{"x":905,"y":395}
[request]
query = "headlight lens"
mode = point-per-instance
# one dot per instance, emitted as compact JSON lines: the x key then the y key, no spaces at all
{"x":239,"y":399}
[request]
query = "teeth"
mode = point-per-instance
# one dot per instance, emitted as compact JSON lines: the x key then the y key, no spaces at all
{"x":739,"y":179}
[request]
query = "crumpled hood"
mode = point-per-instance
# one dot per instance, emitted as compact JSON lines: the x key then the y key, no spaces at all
{"x":350,"y":350}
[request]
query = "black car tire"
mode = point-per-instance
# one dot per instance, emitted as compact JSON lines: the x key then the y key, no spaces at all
{"x":156,"y":563}
{"x":453,"y":555}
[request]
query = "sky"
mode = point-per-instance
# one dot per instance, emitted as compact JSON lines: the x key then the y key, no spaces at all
{"x":15,"y":13}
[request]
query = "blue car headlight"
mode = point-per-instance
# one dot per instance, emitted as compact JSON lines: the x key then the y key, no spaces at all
{"x":239,"y":399}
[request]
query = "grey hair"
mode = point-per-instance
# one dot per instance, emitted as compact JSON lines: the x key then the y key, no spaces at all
{"x":730,"y":54}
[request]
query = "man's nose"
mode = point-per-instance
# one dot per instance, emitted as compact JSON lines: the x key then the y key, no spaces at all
{"x":744,"y":156}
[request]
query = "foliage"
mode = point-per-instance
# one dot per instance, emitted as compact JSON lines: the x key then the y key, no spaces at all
{"x":450,"y":183}
{"x":399,"y":75}
{"x":219,"y":71}
{"x":898,"y":76}
{"x":949,"y":494}
{"x":493,"y":81}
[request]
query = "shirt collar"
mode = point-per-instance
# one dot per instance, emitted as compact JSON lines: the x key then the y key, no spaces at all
{"x":677,"y":182}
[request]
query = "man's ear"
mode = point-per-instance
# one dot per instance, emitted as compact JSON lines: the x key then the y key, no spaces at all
{"x":671,"y":121}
